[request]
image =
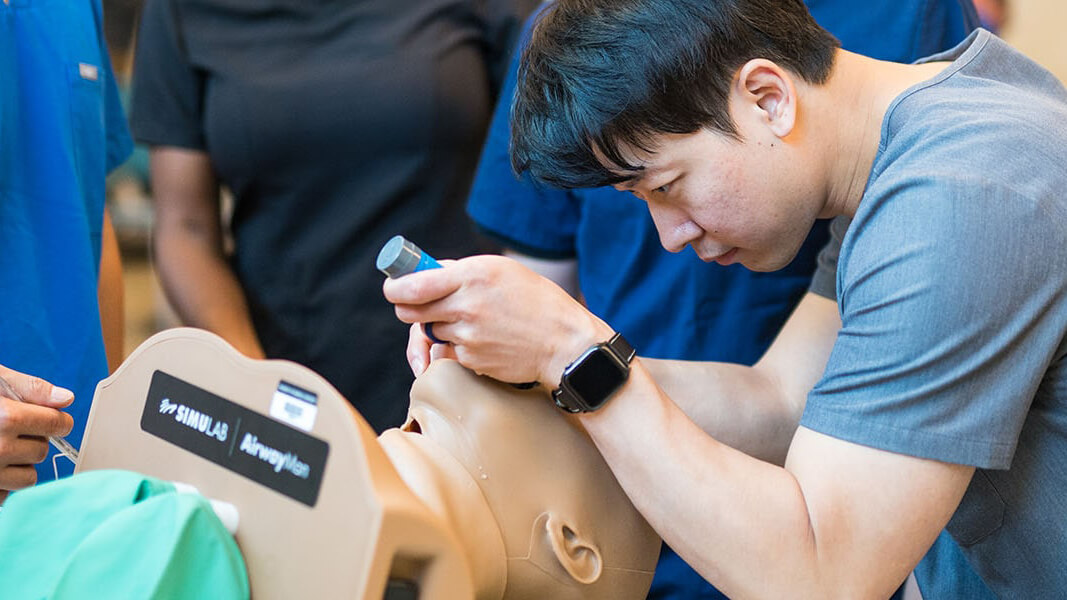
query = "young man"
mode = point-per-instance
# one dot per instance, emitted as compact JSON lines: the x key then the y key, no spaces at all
{"x":934,"y":388}
{"x":604,"y":238}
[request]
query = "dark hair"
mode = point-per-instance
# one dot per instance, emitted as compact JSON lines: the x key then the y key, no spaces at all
{"x":609,"y":74}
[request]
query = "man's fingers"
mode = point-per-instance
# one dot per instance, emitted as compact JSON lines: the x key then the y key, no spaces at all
{"x":418,"y":351}
{"x":16,"y":477}
{"x":421,"y":287}
{"x":18,"y":418}
{"x":442,"y":351}
{"x":35,"y":390}
{"x":23,"y":450}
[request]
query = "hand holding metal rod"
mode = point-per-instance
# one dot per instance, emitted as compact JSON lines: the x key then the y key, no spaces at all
{"x":58,"y":442}
{"x":397,"y":258}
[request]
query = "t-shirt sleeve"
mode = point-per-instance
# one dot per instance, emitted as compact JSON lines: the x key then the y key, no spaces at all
{"x":824,"y":281}
{"x":167,"y":93}
{"x":516,"y":212}
{"x":949,"y":303}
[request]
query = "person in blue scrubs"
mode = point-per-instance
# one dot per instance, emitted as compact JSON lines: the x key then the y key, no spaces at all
{"x":605,"y":239}
{"x":61,"y":131}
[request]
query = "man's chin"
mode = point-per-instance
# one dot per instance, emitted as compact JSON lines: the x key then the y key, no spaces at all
{"x":747,"y":259}
{"x":764,"y":264}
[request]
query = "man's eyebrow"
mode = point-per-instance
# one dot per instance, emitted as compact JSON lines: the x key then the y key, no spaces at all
{"x":637,"y":176}
{"x":630,"y":182}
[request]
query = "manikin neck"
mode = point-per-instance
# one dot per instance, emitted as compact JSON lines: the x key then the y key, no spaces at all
{"x":449,"y":491}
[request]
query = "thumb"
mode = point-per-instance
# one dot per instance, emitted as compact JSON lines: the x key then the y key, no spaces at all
{"x":34,"y":390}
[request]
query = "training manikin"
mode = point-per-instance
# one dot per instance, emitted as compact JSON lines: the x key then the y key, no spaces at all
{"x":487,"y":492}
{"x":535,"y":508}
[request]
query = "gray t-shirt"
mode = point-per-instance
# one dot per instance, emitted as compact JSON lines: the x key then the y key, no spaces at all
{"x":951,"y":281}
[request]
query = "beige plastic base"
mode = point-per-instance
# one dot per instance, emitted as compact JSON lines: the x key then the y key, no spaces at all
{"x":365,"y":525}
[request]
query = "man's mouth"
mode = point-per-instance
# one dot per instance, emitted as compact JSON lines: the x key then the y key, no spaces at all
{"x":726,"y":257}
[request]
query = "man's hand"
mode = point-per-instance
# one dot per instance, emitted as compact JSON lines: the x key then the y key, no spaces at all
{"x":25,"y":427}
{"x":501,"y":319}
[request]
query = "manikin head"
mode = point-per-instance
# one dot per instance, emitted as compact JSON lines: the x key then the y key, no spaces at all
{"x":693,"y":105}
{"x":536,"y":508}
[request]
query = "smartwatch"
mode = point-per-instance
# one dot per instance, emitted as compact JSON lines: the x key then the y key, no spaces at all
{"x":593,"y":377}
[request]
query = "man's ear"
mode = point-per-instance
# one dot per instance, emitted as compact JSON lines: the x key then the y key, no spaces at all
{"x":768,"y":90}
{"x":579,"y":556}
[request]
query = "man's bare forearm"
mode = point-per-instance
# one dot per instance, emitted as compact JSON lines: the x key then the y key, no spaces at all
{"x":756,"y":409}
{"x":819,"y":519}
{"x":739,"y":406}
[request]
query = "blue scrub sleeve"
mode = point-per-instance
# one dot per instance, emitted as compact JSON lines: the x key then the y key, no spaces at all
{"x":521,"y":215}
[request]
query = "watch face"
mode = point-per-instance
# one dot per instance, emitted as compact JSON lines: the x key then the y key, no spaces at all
{"x":596,"y":377}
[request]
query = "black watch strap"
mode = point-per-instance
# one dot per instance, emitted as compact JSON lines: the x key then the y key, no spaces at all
{"x":622,"y":348}
{"x":569,"y":396}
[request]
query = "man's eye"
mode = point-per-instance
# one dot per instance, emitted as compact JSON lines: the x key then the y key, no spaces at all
{"x":663,"y":189}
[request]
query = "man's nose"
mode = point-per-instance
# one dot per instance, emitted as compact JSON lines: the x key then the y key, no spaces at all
{"x":673,"y":235}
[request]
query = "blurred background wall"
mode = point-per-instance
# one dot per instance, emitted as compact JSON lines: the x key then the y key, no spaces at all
{"x":1037,"y":28}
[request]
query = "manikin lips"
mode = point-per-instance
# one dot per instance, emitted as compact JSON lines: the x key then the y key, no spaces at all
{"x":412,"y":426}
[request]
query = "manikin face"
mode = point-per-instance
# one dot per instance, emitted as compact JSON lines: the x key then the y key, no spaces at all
{"x":751,"y":200}
{"x":567,"y":528}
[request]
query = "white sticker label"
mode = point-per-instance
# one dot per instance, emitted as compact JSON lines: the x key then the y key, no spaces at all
{"x":295,"y":406}
{"x":87,"y":71}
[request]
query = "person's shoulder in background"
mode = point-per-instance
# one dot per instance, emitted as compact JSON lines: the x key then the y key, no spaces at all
{"x":901,"y":31}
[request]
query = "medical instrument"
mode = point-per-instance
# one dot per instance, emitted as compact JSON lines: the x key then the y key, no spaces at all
{"x":397,"y":258}
{"x":58,"y":442}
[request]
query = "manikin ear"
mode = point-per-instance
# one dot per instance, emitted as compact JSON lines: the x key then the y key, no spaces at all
{"x":767,"y":89}
{"x":579,"y":556}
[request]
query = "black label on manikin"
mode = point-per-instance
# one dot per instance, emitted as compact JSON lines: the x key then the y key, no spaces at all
{"x":270,"y":453}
